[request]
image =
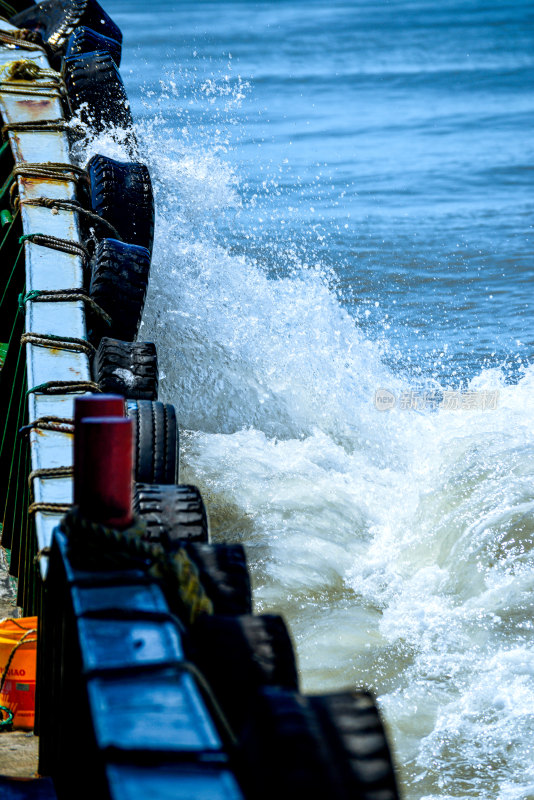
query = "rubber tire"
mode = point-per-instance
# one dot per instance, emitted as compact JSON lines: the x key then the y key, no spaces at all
{"x":118,"y":284}
{"x":173,"y":514}
{"x":47,"y":16}
{"x":240,"y":655}
{"x":224,"y":575}
{"x":121,"y":193}
{"x":127,"y":368}
{"x":282,"y":752}
{"x":352,"y":726}
{"x":95,"y":90}
{"x":329,"y":746}
{"x":85,"y":40}
{"x":155,"y":441}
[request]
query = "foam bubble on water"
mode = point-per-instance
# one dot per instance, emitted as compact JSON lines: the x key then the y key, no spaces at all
{"x":398,"y":544}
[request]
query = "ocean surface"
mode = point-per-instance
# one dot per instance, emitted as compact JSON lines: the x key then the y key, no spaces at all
{"x":342,"y":300}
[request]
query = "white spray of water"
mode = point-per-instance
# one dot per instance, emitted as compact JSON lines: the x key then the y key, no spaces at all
{"x":396,"y":544}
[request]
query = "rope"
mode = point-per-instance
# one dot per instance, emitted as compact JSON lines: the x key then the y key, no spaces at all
{"x":25,"y":70}
{"x":21,"y":38}
{"x":184,"y":573}
{"x":52,"y":508}
{"x":13,"y":88}
{"x":58,"y":342}
{"x":54,"y":243}
{"x":70,"y":205}
{"x":23,"y":640}
{"x":15,"y":622}
{"x":42,"y":125}
{"x":44,"y":552}
{"x":188,"y":666}
{"x":65,"y":387}
{"x":48,"y":472}
{"x":50,"y":423}
{"x":63,"y":296}
{"x":48,"y":169}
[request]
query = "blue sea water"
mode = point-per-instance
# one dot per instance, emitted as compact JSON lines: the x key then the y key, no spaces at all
{"x":345,"y":207}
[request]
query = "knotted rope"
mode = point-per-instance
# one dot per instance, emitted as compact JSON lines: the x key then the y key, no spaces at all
{"x":25,"y":70}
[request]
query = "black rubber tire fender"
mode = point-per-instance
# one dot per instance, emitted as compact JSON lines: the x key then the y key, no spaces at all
{"x":85,"y":40}
{"x":95,"y":90}
{"x":352,"y":726}
{"x":127,"y":368}
{"x":173,"y":515}
{"x":155,"y":441}
{"x":224,"y":575}
{"x":282,"y":752}
{"x":239,"y":655}
{"x":121,"y":193}
{"x":118,"y":284}
{"x":48,"y":16}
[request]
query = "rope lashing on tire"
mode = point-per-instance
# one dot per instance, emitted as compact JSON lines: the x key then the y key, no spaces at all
{"x":97,"y":546}
{"x":65,"y":387}
{"x":63,"y":296}
{"x":49,"y":423}
{"x":58,"y":342}
{"x":55,"y":243}
{"x":179,"y":566}
{"x":68,"y":205}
